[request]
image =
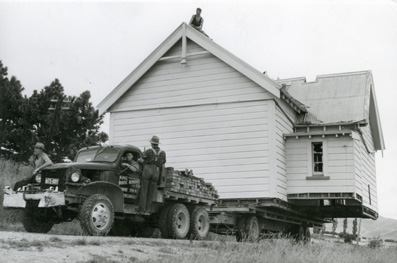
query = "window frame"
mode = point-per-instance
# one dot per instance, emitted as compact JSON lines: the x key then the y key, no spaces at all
{"x":312,"y":175}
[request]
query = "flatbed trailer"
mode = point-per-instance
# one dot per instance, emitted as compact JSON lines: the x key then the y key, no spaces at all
{"x":255,"y":218}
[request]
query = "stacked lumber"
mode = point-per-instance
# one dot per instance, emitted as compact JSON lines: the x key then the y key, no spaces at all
{"x":184,"y":182}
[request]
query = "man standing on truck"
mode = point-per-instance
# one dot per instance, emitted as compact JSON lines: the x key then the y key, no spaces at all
{"x":39,"y":160}
{"x":153,"y":159}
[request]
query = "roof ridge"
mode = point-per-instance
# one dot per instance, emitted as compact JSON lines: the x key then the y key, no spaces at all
{"x":366,"y":72}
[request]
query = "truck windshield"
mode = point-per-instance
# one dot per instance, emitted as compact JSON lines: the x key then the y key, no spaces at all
{"x":106,"y":154}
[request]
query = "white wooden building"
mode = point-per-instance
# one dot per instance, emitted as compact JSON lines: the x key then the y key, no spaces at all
{"x":249,"y":135}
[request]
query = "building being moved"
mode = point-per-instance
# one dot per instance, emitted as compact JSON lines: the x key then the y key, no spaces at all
{"x":311,"y":144}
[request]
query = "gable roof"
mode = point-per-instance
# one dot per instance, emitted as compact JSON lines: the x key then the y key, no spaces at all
{"x":185,"y":31}
{"x":338,"y":99}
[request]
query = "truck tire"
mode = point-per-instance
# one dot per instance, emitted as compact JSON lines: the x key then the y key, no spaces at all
{"x":253,"y":228}
{"x":241,"y":233}
{"x":178,"y":221}
{"x":96,"y":215}
{"x":163,"y":224}
{"x":199,"y":223}
{"x":34,"y":223}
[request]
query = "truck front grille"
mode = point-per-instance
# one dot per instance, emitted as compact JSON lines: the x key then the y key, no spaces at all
{"x":53,"y":178}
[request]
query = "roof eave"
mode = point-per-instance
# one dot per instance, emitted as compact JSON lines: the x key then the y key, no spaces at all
{"x":185,"y":30}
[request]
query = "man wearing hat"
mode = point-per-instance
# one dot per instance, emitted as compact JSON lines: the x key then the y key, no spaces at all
{"x":153,"y":159}
{"x":38,"y":160}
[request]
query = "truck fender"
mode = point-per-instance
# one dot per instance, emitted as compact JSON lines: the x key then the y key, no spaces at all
{"x":112,"y":191}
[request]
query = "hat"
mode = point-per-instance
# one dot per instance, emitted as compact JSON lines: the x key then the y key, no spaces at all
{"x":39,"y":145}
{"x":155,"y":140}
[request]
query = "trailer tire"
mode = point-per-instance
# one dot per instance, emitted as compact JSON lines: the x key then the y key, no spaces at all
{"x":163,"y":221}
{"x":96,"y":215}
{"x":199,"y":223}
{"x":33,"y":223}
{"x":253,"y":228}
{"x":301,"y":234}
{"x":178,"y":221}
{"x":241,"y":233}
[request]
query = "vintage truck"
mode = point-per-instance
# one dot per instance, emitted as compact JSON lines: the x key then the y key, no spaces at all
{"x":102,"y":195}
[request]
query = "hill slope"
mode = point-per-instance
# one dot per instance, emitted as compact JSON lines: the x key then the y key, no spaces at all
{"x":385,"y":228}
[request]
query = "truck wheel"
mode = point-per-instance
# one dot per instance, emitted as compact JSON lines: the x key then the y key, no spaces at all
{"x":33,"y":223}
{"x":96,"y":215}
{"x":199,"y":223}
{"x":253,"y":228}
{"x":178,"y":221}
{"x":163,"y":225}
{"x":120,"y":228}
{"x":241,"y":233}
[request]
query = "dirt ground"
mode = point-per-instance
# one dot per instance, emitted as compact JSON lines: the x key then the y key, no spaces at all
{"x":27,"y":247}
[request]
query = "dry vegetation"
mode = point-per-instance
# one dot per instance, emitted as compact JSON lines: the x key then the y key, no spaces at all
{"x":20,"y":246}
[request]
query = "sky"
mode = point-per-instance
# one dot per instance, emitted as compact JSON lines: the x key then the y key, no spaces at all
{"x":95,"y":45}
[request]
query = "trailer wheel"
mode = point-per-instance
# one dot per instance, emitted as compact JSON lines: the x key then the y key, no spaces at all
{"x":178,"y":221}
{"x":96,"y":215}
{"x":199,"y":223}
{"x":33,"y":222}
{"x":163,"y":221}
{"x":301,"y":234}
{"x":253,"y":228}
{"x":241,"y":233}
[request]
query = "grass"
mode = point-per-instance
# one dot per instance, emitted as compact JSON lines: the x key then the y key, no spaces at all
{"x":11,"y":172}
{"x":281,"y":250}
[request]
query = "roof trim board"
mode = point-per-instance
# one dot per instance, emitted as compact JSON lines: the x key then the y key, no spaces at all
{"x":184,"y":31}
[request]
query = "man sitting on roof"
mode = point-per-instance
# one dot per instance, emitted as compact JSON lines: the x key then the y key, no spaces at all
{"x":197,"y":22}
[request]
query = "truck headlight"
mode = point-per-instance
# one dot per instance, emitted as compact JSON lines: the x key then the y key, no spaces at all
{"x":38,"y":178}
{"x":75,"y":177}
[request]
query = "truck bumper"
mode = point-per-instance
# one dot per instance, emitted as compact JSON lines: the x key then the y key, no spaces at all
{"x":46,"y":199}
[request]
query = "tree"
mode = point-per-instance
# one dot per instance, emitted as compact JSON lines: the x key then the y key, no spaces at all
{"x":66,"y":131}
{"x":24,"y":121}
{"x":344,"y":225}
{"x":354,"y":230}
{"x":334,"y":226}
{"x":12,"y":124}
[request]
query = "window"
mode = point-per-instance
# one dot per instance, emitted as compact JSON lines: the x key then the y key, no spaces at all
{"x":317,"y":160}
{"x":317,"y":153}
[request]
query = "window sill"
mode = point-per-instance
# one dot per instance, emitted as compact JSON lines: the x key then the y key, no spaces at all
{"x":317,"y":177}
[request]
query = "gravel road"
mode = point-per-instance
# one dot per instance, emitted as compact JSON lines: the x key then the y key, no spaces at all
{"x":27,"y":247}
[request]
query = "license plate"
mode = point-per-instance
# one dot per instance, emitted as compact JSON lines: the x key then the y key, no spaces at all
{"x":53,"y":181}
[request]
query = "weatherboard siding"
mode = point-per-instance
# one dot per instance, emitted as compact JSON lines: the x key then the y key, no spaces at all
{"x":338,"y":165}
{"x":205,"y":79}
{"x":365,"y":175}
{"x":282,"y":125}
{"x":226,"y":144}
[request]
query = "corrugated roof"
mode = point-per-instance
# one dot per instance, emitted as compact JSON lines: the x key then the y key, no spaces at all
{"x":337,"y":98}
